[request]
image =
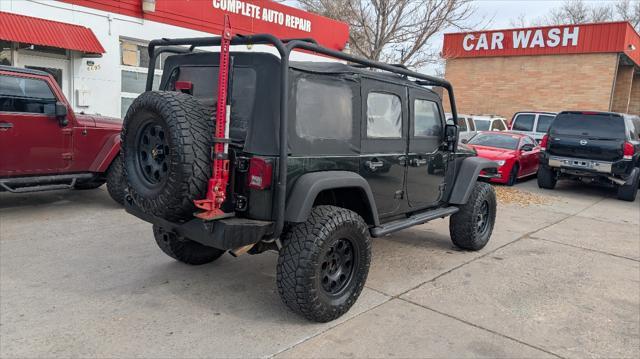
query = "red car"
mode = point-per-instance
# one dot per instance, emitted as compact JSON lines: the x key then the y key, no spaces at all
{"x":44,"y":145}
{"x":516,"y":154}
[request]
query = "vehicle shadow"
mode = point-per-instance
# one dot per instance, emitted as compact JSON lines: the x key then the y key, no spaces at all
{"x":93,"y":197}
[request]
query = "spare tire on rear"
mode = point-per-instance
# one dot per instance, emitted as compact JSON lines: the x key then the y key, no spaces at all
{"x":166,"y":146}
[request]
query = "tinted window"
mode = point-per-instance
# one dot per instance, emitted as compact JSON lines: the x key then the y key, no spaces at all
{"x":205,"y":89}
{"x":595,"y":125}
{"x":544,"y":121}
{"x":523,"y":122}
{"x":528,"y":141}
{"x":323,"y":110}
{"x":19,"y":94}
{"x":634,"y":128}
{"x":472,"y":125}
{"x":427,"y":119}
{"x":482,"y":125}
{"x":498,"y":125}
{"x":496,"y":140}
{"x":462,"y":123}
{"x":384,"y":115}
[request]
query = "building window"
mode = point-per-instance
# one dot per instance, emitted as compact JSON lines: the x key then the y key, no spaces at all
{"x":134,"y":61}
{"x":5,"y":53}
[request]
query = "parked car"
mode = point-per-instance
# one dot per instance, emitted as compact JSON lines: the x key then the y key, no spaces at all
{"x":534,"y":124}
{"x":45,"y":145}
{"x":490,"y":123}
{"x":596,"y":147}
{"x":313,"y":183}
{"x":466,"y":126}
{"x":515,"y":153}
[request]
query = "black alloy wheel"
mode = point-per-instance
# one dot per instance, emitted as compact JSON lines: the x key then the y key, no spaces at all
{"x":483,"y":219}
{"x":337,"y":266}
{"x":152,"y":153}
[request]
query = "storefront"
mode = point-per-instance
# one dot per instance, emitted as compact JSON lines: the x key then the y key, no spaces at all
{"x":96,"y":49}
{"x":553,"y":68}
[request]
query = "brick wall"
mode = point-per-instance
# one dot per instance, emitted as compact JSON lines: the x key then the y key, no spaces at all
{"x":622,"y":89}
{"x":634,"y":103}
{"x":505,"y":85}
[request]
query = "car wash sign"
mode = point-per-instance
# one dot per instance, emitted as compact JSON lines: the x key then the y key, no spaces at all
{"x":546,"y":40}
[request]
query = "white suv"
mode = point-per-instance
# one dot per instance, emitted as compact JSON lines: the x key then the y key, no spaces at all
{"x":534,"y":124}
{"x":466,"y":126}
{"x":490,"y":123}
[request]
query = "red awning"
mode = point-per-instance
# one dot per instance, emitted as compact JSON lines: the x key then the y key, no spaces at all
{"x":31,"y":30}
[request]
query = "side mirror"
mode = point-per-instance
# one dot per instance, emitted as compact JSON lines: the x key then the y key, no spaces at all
{"x":451,"y":137}
{"x":527,"y":147}
{"x":61,"y":113}
{"x":464,"y":140}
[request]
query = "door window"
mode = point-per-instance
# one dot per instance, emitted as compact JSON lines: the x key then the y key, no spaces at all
{"x":544,"y":121}
{"x":523,"y":122}
{"x":384,"y":115}
{"x":20,"y":94}
{"x":426,"y":119}
{"x":462,"y":124}
{"x":528,"y":141}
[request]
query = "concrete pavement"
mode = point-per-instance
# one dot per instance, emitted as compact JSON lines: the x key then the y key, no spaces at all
{"x":81,"y":278}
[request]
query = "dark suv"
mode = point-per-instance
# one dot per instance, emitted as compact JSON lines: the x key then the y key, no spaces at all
{"x":597,"y":147}
{"x":322,"y":156}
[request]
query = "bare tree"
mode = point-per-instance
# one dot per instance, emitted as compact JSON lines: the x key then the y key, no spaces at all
{"x":396,"y":31}
{"x":629,"y":11}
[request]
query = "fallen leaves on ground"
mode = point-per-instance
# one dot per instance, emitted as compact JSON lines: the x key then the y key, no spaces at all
{"x":510,"y":195}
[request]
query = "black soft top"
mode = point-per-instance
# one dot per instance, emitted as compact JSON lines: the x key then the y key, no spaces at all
{"x":22,"y":70}
{"x":255,"y":104}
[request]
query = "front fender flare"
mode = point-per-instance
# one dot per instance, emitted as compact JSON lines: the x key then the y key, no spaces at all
{"x":107,"y":153}
{"x":467,"y":176}
{"x":308,"y":186}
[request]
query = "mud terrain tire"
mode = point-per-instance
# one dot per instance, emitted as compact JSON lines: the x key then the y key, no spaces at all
{"x":115,"y":180}
{"x":166,"y":146}
{"x":324,"y":263}
{"x":471,"y":227}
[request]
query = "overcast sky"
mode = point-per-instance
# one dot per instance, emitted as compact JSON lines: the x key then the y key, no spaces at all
{"x":503,"y":11}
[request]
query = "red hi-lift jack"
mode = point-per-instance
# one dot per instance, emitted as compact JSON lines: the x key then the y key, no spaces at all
{"x":217,"y":185}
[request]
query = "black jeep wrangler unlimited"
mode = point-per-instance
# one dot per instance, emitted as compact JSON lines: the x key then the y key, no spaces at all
{"x":322,"y":156}
{"x":594,"y":147}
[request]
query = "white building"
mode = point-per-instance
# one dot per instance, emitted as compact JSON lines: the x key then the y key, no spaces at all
{"x":106,"y":83}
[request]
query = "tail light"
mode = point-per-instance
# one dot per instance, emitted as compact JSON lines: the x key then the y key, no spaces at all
{"x":543,"y":142}
{"x":260,"y":172}
{"x":628,"y":151}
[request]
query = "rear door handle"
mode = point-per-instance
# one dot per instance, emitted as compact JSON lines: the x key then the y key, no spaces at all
{"x":5,"y":126}
{"x":374,"y":165}
{"x":416,"y":162}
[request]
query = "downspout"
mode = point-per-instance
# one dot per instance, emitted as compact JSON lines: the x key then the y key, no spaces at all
{"x":613,"y":87}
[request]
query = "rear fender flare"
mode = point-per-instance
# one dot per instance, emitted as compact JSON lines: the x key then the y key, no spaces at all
{"x":108,"y":152}
{"x":467,"y":177}
{"x":308,"y":186}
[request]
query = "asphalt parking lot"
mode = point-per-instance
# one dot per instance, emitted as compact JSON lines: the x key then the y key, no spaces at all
{"x":81,"y":278}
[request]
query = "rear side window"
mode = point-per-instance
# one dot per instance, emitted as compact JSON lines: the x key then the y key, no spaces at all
{"x":482,"y":125}
{"x":523,"y":122}
{"x":544,"y":121}
{"x":498,"y":125}
{"x":205,"y":89}
{"x":324,"y":110}
{"x":591,"y":125}
{"x":384,"y":115}
{"x":20,"y":94}
{"x":462,"y":123}
{"x":426,"y":119}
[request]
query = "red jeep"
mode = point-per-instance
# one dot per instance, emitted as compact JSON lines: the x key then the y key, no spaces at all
{"x":44,"y":145}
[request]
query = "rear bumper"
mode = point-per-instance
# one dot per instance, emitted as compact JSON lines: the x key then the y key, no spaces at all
{"x":586,"y":167}
{"x":225,"y":234}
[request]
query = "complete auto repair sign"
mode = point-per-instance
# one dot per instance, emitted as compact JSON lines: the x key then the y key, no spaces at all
{"x":262,"y":13}
{"x":546,"y":40}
